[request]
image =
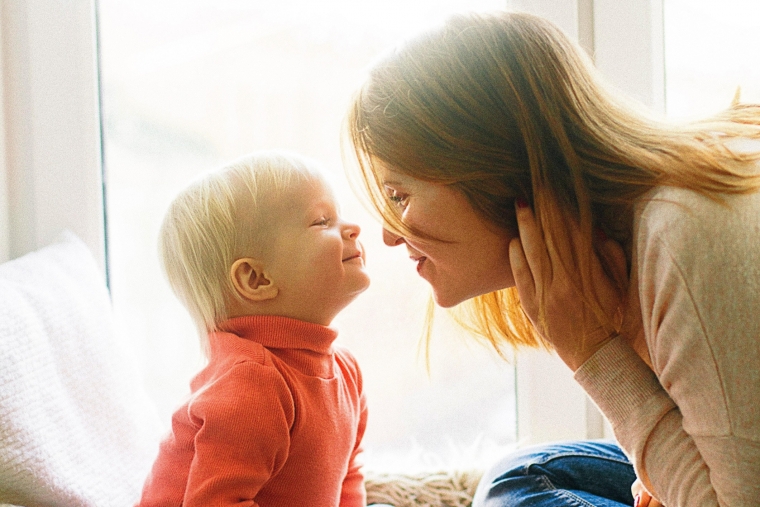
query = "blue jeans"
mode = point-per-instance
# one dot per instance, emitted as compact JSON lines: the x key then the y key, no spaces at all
{"x":583,"y":473}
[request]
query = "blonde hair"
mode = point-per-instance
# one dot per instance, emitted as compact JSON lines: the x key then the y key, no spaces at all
{"x":505,"y":106}
{"x":218,"y":219}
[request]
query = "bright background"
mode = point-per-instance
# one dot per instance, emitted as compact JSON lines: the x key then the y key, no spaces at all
{"x":188,"y":85}
{"x":711,"y":48}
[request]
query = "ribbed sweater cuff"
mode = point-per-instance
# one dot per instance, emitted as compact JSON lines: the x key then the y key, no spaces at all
{"x":624,"y":388}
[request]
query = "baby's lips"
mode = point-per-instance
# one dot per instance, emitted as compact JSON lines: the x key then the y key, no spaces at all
{"x":359,"y":253}
{"x":362,"y":251}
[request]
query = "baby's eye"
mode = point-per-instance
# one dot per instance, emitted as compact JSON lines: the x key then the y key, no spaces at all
{"x":322,"y":222}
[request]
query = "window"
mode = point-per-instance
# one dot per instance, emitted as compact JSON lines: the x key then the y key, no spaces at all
{"x":186,"y":87}
{"x":711,"y":49}
{"x":161,"y":54}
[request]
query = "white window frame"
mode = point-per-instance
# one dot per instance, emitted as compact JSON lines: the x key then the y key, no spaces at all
{"x":50,"y":172}
{"x":51,"y":156}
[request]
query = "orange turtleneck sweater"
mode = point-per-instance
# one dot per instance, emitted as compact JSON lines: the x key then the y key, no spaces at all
{"x":276,"y":419}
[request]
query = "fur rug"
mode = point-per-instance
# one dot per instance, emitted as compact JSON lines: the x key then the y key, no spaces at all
{"x":443,"y":489}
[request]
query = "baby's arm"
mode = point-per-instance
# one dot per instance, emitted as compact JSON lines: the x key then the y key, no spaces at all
{"x":353,"y":492}
{"x":243,"y":436}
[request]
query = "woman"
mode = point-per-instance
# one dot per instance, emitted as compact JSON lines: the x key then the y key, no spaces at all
{"x":562,"y":216}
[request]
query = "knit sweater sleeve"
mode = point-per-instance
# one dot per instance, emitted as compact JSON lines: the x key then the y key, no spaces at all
{"x":243,"y":422}
{"x":691,"y":426}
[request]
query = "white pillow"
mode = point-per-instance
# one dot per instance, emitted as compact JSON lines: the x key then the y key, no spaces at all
{"x":76,"y":427}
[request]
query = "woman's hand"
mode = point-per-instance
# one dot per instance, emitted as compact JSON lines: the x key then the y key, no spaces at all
{"x":641,"y":496}
{"x":570,"y":324}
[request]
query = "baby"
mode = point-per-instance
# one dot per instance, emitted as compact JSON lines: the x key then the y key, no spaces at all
{"x":259,"y":255}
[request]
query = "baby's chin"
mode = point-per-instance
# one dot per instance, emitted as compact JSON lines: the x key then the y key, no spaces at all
{"x":366,"y":283}
{"x":361,"y":285}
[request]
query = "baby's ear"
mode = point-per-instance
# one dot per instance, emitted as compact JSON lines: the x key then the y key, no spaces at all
{"x":250,"y":281}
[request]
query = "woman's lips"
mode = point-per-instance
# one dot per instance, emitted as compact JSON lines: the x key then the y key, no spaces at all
{"x":420,"y":261}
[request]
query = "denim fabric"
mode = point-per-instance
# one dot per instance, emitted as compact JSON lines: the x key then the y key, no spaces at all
{"x":582,"y":474}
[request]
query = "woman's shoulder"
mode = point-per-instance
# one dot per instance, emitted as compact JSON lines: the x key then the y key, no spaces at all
{"x":683,"y":215}
{"x":668,"y":206}
{"x":707,"y":241}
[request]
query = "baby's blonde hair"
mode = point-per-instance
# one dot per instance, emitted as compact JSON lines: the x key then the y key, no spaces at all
{"x":218,"y":219}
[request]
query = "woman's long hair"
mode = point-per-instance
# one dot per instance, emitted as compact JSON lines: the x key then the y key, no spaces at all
{"x":503,"y":106}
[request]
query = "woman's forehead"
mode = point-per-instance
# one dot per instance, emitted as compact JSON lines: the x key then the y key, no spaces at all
{"x":388,"y":175}
{"x":401,"y":181}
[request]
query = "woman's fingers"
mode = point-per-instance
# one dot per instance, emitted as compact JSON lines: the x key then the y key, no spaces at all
{"x":543,"y":276}
{"x":526,"y":285}
{"x":615,"y":263}
{"x":644,"y":499}
{"x":641,"y":496}
{"x":533,"y":244}
{"x":609,"y":278}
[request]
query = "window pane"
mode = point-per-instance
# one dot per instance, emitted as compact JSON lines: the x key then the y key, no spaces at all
{"x":190,"y":85}
{"x":711,"y":49}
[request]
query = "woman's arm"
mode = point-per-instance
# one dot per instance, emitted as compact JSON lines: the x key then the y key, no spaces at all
{"x":691,"y":429}
{"x":699,"y":282}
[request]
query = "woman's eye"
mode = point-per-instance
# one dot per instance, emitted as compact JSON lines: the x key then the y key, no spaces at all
{"x":399,"y":200}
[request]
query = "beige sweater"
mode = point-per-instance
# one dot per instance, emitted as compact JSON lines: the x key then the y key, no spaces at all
{"x":691,"y":427}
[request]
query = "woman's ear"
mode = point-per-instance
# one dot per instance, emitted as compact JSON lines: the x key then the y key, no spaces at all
{"x":250,"y":281}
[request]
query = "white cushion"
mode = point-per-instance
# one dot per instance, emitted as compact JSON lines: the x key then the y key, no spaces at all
{"x":76,"y":427}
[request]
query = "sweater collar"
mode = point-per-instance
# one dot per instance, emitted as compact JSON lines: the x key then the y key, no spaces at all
{"x":277,"y":332}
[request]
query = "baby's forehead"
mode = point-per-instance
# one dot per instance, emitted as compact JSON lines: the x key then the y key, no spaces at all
{"x":309,"y":194}
{"x":294,"y":208}
{"x":289,"y":197}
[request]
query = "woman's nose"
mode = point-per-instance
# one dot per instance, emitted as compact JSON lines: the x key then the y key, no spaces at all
{"x":391,"y":239}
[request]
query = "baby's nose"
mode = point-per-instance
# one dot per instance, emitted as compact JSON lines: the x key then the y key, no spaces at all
{"x":351,"y":231}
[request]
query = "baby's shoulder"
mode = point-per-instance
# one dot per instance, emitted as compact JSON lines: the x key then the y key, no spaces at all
{"x":239,"y":361}
{"x":255,"y":360}
{"x":229,"y":348}
{"x":243,"y":379}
